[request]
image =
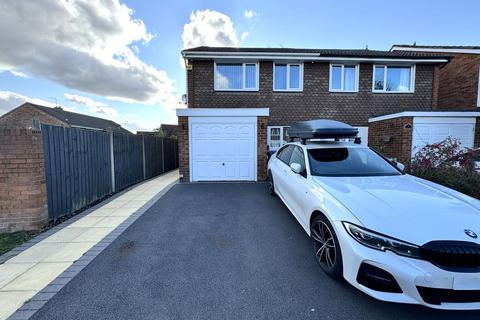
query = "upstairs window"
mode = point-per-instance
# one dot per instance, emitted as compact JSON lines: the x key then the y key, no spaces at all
{"x":395,"y":79}
{"x":287,"y":76}
{"x":343,"y":78}
{"x":236,"y":76}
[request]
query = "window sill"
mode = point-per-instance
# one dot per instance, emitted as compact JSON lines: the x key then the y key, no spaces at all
{"x":342,"y":91}
{"x":287,"y":91}
{"x":393,"y":92}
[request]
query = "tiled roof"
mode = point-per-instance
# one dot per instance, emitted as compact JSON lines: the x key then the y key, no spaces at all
{"x":362,"y":53}
{"x":80,"y":120}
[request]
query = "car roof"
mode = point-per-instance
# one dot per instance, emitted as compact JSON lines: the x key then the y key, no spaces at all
{"x":327,"y":144}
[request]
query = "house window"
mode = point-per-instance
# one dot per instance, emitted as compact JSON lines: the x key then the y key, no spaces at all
{"x":277,"y":136}
{"x":478,"y":93}
{"x":236,"y":76}
{"x":393,"y":78}
{"x":344,"y":78}
{"x":287,"y":76}
{"x":36,"y":123}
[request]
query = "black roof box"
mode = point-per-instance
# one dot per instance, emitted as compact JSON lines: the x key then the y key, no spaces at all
{"x":322,"y":129}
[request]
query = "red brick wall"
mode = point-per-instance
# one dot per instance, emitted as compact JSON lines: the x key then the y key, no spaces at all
{"x":190,"y":86}
{"x":23,"y":195}
{"x":315,"y":101}
{"x":183,"y":145}
{"x":458,"y":87}
{"x":262,"y":148}
{"x":21,"y":117}
{"x":399,"y":133}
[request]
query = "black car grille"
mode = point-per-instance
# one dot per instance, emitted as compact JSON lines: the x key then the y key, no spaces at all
{"x":438,"y":296}
{"x":459,"y":256}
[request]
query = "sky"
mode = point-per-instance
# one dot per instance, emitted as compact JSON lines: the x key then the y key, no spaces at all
{"x":121,"y":60}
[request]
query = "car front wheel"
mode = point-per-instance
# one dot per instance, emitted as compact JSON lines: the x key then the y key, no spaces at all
{"x":271,"y":185}
{"x":326,"y":247}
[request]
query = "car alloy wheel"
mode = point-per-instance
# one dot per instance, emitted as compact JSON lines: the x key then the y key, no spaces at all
{"x":326,"y":248}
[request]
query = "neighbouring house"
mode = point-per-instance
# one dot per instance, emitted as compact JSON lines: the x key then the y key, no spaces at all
{"x":31,"y":116}
{"x":459,"y":80}
{"x":241,"y":101}
{"x":168,"y":130}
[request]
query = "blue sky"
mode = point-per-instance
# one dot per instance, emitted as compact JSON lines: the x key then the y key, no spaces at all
{"x":93,"y":64}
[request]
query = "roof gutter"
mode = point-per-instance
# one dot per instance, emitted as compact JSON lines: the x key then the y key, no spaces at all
{"x":297,"y":56}
{"x":440,"y":50}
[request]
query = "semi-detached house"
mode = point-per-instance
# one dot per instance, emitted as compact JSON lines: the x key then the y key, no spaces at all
{"x":241,"y":102}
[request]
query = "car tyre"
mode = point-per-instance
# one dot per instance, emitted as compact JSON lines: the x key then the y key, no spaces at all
{"x":271,"y":185}
{"x":326,"y":247}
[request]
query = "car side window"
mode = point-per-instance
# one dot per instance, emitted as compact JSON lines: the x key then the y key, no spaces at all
{"x":298,"y":157}
{"x":285,"y":153}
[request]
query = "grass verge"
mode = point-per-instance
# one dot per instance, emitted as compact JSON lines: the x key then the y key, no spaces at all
{"x":9,"y":241}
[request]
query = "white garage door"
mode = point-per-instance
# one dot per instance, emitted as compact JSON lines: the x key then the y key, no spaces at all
{"x":223,"y":148}
{"x":428,"y":130}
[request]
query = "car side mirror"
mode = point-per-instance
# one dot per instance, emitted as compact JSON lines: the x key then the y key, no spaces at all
{"x":296,"y":167}
{"x":400,"y":166}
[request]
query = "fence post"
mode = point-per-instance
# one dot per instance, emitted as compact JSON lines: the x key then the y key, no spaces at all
{"x":112,"y":160}
{"x":143,"y":153}
{"x":163,"y":156}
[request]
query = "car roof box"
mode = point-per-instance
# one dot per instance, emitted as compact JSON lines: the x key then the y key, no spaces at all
{"x":321,"y":129}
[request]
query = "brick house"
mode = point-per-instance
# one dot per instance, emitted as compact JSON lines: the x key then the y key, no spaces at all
{"x":31,"y":116}
{"x":241,"y":101}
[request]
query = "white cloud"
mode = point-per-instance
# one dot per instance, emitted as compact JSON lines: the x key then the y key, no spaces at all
{"x":10,"y":100}
{"x":93,"y":106}
{"x":209,"y":28}
{"x":249,"y":14}
{"x":244,"y":35}
{"x":84,"y":45}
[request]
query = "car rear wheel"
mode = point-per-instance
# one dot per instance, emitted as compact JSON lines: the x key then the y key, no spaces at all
{"x":271,"y":186}
{"x":326,"y":247}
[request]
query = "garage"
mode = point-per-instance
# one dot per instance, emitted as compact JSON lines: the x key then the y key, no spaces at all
{"x":428,"y":130}
{"x":223,"y":144}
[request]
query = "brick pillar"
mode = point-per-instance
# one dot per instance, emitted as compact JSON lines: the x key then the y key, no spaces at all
{"x":262,"y":148}
{"x":436,"y":84}
{"x":183,"y":145}
{"x":190,"y":85}
{"x":23,"y":194}
{"x":392,"y":138}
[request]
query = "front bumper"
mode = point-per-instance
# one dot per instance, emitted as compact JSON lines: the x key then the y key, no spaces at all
{"x":409,"y":273}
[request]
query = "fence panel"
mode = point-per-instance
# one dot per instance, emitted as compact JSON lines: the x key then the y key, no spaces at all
{"x":77,"y":168}
{"x":128,"y":159}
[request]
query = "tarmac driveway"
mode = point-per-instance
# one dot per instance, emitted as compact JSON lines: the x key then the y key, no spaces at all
{"x":217,"y":251}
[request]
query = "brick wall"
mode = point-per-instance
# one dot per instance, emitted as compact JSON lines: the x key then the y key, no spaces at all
{"x":23,"y":195}
{"x":392,"y":138}
{"x":315,"y":101}
{"x":262,"y":148}
{"x":22,"y":117}
{"x":183,"y":153}
{"x":458,"y":86}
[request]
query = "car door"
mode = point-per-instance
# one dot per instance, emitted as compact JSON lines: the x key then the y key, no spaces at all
{"x":296,"y":188}
{"x":281,"y":168}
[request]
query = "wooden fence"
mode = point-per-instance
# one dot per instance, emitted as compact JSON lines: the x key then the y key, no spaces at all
{"x":83,"y":166}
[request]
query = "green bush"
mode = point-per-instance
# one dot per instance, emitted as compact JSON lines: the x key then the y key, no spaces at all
{"x":446,"y":163}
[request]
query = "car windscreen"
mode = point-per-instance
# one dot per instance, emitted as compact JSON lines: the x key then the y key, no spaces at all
{"x":349,"y":162}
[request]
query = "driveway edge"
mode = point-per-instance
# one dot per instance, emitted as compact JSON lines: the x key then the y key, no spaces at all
{"x":44,"y":295}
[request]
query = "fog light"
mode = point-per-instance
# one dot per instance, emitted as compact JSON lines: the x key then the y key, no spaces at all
{"x":377,"y":279}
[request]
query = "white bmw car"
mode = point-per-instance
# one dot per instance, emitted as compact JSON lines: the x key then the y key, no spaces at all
{"x":395,"y":237}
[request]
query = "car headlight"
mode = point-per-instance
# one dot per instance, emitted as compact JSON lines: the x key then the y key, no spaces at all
{"x":381,"y":242}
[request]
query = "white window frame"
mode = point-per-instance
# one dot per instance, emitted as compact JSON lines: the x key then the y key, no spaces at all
{"x":385,"y":66}
{"x":357,"y":77}
{"x":257,"y":69}
{"x":281,"y":136}
{"x":288,"y":89}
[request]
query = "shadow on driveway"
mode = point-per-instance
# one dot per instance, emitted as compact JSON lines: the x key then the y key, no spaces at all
{"x":217,"y":251}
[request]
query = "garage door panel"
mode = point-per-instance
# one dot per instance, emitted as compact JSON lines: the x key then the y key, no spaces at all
{"x":228,"y":145}
{"x":434,"y":130}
